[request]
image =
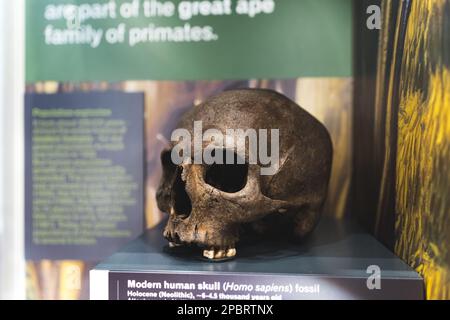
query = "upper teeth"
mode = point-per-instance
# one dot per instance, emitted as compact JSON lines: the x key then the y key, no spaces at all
{"x":219,"y":253}
{"x":173,"y":244}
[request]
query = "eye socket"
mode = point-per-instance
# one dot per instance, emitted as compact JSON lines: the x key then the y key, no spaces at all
{"x":181,"y":200}
{"x":229,"y":178}
{"x":179,"y":197}
{"x":166,"y":160}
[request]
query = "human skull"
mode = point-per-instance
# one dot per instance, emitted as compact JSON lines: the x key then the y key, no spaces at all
{"x":208,"y":205}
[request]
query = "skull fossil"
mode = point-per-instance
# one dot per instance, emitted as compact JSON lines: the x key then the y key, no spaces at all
{"x":209,"y":205}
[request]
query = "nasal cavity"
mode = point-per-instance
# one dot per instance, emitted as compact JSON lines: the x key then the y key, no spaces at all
{"x":181,"y":201}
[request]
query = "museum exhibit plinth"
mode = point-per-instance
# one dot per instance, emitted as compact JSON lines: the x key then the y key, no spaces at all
{"x":338,"y":261}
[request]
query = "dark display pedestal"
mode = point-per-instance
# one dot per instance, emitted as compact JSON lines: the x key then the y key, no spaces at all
{"x":339,"y":261}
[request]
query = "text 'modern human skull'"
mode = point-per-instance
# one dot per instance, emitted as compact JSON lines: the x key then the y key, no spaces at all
{"x":208,"y":204}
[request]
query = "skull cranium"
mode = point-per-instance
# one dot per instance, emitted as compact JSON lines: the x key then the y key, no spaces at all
{"x":207,"y":204}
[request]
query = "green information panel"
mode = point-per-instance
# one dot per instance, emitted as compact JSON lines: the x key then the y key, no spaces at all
{"x":114,"y":40}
